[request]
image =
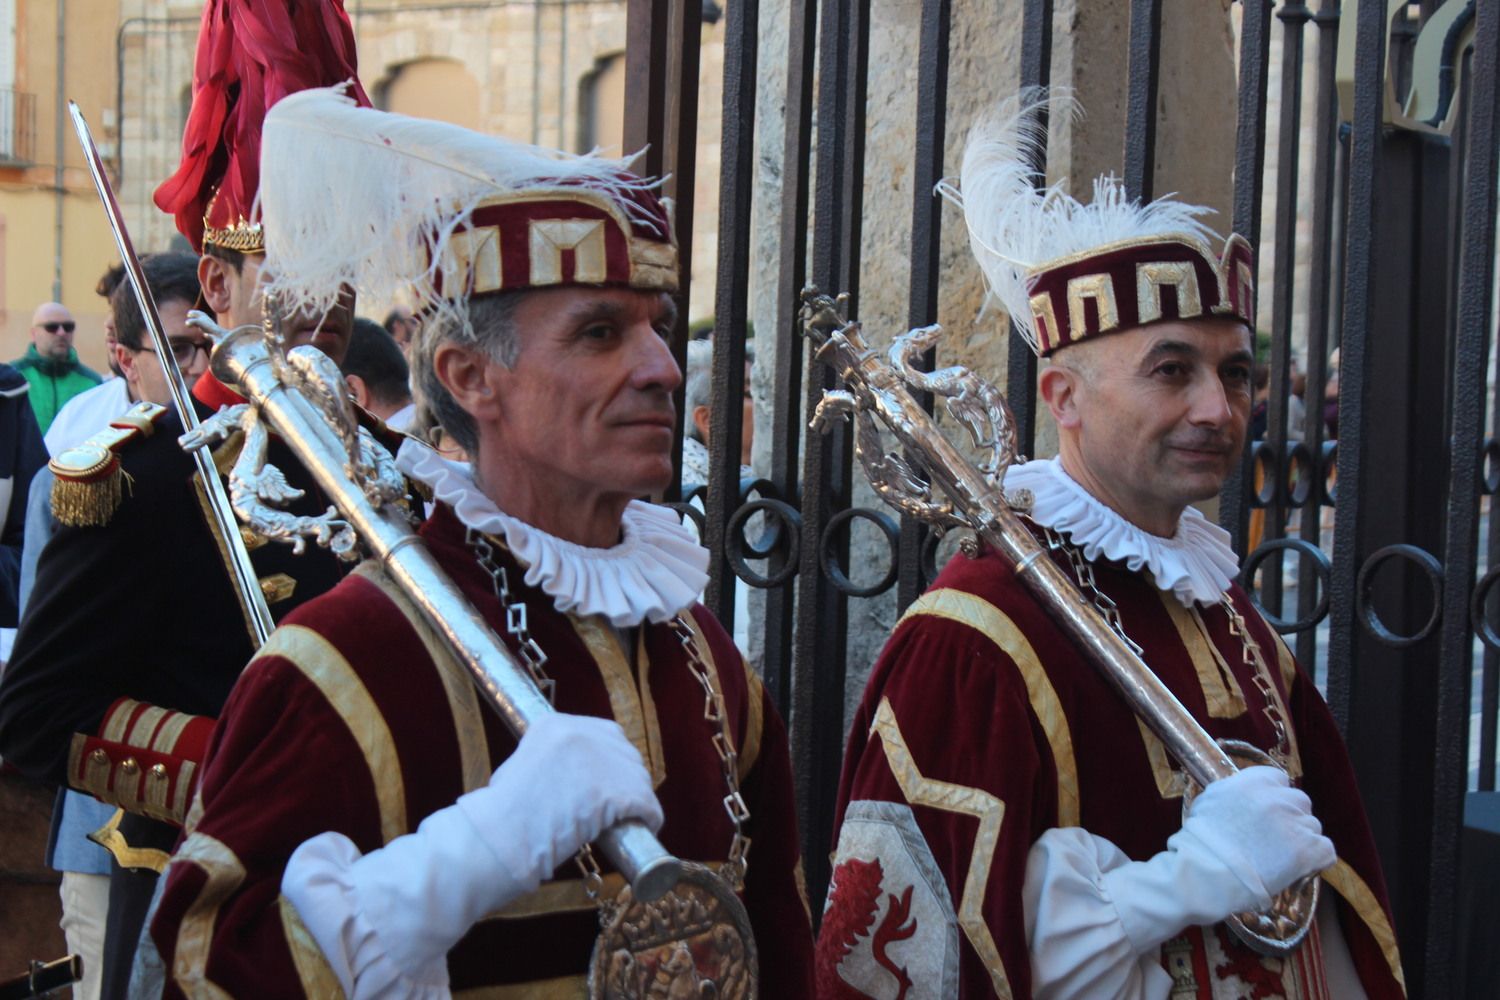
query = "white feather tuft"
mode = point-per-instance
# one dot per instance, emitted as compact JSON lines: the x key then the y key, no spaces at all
{"x":1013,"y":227}
{"x":364,"y":198}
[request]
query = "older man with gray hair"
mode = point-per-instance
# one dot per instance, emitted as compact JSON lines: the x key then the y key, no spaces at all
{"x":697,"y":408}
{"x":548,"y":281}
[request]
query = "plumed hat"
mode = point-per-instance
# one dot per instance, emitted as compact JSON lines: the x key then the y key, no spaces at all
{"x":251,"y":54}
{"x":1066,"y":271}
{"x":389,"y":204}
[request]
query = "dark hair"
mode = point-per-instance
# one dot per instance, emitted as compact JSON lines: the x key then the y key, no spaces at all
{"x":170,"y":276}
{"x":375,"y":356}
{"x":110,"y":280}
{"x":233,"y":258}
{"x":393,"y":317}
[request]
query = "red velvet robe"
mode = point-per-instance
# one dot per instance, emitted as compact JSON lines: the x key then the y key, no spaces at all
{"x":982,"y":727}
{"x":345,"y":722}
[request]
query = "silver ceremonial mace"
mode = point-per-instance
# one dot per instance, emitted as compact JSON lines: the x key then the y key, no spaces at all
{"x":245,"y":579}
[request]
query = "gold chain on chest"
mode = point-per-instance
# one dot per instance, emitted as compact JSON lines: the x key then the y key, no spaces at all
{"x":714,"y":713}
{"x":1251,"y":657}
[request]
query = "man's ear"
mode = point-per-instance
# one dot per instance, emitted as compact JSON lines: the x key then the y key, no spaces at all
{"x":358,"y":390}
{"x":215,"y":277}
{"x":126,"y":359}
{"x":1059,"y":388}
{"x":700,"y":420}
{"x":470,"y":378}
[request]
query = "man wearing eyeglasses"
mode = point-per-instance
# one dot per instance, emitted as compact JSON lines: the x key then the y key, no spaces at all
{"x":51,"y":364}
{"x":173,"y":278}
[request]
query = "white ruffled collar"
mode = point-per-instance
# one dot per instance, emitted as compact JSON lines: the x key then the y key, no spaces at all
{"x":1196,"y":564}
{"x":656,"y":570}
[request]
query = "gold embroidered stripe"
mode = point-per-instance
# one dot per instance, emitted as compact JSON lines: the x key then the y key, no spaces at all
{"x":118,"y":720}
{"x":658,"y":756}
{"x":318,"y":979}
{"x":995,"y":625}
{"x":109,"y":837}
{"x":463,"y":702}
{"x":1221,"y":692}
{"x":1347,"y":883}
{"x":625,"y":698}
{"x":171,"y":731}
{"x":195,"y":936}
{"x":976,"y":802}
{"x":754,"y":719}
{"x":145,"y":726}
{"x":327,"y":669}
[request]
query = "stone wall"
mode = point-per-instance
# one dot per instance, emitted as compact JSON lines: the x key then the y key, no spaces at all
{"x":528,"y":63}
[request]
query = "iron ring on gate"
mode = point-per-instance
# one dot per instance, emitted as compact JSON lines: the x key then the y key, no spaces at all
{"x":1323,"y":569}
{"x":687,"y":511}
{"x":1328,"y":491}
{"x":1263,"y":460}
{"x":735,"y":543}
{"x":1299,"y":487}
{"x":1482,"y":627}
{"x":1365,"y":607}
{"x":828,"y":557}
{"x":1490,"y":457}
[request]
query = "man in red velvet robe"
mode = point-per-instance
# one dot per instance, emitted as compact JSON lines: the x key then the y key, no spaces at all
{"x":364,"y":824}
{"x":1008,"y":827}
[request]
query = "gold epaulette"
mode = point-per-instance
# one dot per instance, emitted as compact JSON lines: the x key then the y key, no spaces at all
{"x":87,"y":479}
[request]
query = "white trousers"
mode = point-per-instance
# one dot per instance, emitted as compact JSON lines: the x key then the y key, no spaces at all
{"x":85,"y":906}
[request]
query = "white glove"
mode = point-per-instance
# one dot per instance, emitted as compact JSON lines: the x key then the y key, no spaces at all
{"x":1246,"y":837}
{"x":387,"y":920}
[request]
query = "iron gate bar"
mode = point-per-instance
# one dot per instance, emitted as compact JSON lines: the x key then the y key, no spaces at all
{"x":1293,"y":17}
{"x":680,"y":144}
{"x":731,"y":296}
{"x":1472,"y":335}
{"x":791,"y":273}
{"x":655,"y":57}
{"x":1020,"y":363}
{"x":926,"y":244}
{"x":1249,"y":180}
{"x":819,"y":667}
{"x":646,"y":58}
{"x":1319,"y":311}
{"x":1142,"y":75}
{"x":1359,"y":273}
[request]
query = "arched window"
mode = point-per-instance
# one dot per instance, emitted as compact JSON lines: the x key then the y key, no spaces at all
{"x":601,"y":106}
{"x":431,"y":88}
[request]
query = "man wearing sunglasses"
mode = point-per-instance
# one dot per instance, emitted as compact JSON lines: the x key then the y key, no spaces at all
{"x":51,"y":364}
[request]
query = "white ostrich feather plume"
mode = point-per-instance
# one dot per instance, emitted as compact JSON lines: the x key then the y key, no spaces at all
{"x":365,"y":198}
{"x":1014,"y":228}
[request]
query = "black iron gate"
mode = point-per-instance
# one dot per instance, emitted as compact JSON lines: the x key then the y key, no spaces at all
{"x":1400,"y":240}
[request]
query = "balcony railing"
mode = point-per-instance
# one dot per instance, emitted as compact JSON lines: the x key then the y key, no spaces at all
{"x":17,"y":127}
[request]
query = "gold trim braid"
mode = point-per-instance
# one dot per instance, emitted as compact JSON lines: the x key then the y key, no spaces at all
{"x":317,"y":976}
{"x":976,"y":802}
{"x":328,"y":671}
{"x":1348,"y":884}
{"x":995,"y":625}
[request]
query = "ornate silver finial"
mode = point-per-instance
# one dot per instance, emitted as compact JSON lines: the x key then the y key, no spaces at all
{"x":258,"y":490}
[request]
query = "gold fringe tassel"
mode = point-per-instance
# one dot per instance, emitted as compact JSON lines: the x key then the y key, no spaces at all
{"x":89,"y":503}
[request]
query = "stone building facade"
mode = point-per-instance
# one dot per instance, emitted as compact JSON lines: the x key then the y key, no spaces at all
{"x":550,"y":73}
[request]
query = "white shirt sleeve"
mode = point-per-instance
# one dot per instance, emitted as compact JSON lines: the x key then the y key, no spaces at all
{"x":1078,"y":942}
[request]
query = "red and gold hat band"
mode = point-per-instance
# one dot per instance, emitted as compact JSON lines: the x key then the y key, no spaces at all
{"x":1137,"y":282}
{"x":556,"y":236}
